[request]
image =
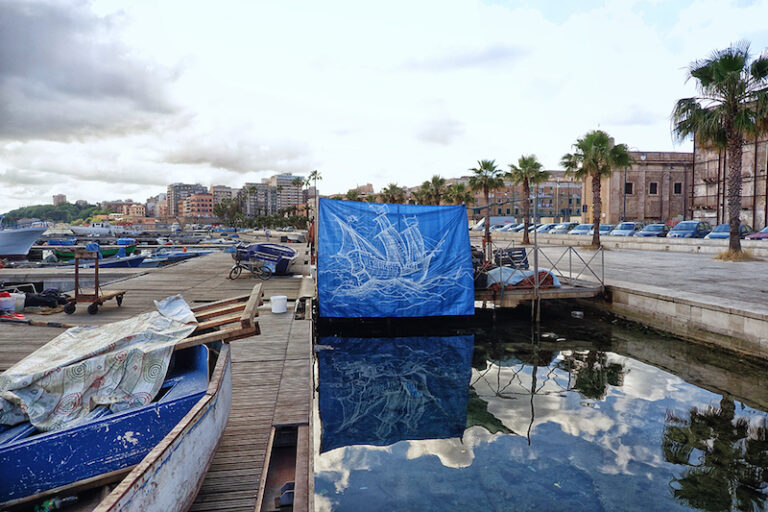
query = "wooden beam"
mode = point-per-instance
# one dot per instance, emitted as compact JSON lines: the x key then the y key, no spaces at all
{"x":220,"y":311}
{"x":225,"y":335}
{"x":251,"y":309}
{"x":218,"y":321}
{"x":222,"y":302}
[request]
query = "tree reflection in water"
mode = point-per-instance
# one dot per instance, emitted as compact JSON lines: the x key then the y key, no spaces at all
{"x":726,"y":458}
{"x":593,"y":373}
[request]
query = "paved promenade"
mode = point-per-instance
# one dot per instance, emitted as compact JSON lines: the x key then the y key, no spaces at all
{"x":700,"y":274}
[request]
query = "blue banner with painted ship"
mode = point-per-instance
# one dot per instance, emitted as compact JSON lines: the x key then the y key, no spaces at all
{"x":393,"y":260}
{"x":378,"y":391}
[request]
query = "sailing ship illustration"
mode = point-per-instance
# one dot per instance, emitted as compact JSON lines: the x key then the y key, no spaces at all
{"x":388,"y":254}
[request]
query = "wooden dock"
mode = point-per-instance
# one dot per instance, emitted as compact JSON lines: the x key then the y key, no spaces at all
{"x":271,"y":372}
{"x":569,"y":289}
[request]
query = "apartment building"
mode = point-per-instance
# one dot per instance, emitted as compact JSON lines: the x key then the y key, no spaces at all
{"x":178,"y":192}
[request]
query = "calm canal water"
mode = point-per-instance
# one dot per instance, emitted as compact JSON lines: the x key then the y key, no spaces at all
{"x":582,"y":415}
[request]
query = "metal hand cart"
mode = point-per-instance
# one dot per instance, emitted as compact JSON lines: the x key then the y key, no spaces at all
{"x":98,"y":297}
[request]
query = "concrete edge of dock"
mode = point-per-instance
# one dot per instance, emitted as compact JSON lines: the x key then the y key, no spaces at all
{"x":732,"y":325}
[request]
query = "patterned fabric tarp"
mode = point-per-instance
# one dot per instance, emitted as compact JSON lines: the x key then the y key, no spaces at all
{"x":379,"y":391}
{"x":512,"y":278}
{"x":393,"y":260}
{"x":120,"y":365}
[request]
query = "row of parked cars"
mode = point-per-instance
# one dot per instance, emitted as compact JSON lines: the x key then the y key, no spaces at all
{"x":684,"y":229}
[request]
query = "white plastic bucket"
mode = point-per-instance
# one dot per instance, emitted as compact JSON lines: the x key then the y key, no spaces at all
{"x":18,"y":300}
{"x":279,"y":303}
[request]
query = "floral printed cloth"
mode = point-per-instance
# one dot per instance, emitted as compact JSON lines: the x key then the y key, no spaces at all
{"x":119,"y":365}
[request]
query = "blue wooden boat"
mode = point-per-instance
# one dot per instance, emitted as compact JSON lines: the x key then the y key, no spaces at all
{"x":159,"y":452}
{"x":106,"y":442}
{"x":278,"y":257}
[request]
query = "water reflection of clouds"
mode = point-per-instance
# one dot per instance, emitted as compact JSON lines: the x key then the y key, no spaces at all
{"x":607,"y":449}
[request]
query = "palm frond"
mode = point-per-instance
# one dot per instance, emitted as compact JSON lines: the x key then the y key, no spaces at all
{"x":759,"y":68}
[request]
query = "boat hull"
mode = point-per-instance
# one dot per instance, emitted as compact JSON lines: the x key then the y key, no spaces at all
{"x":15,"y":243}
{"x":171,"y":475}
{"x":103,"y":445}
{"x":64,"y":254}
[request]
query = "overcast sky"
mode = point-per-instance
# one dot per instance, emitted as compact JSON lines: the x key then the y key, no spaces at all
{"x":112,"y":99}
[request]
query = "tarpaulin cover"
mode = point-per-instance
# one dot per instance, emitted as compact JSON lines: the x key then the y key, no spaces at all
{"x":391,"y":260}
{"x":379,"y":391}
{"x":508,"y":276}
{"x":121,"y":365}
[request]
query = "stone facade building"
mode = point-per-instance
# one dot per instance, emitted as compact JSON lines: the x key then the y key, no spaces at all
{"x":59,"y":199}
{"x":710,"y":184}
{"x":655,"y":188}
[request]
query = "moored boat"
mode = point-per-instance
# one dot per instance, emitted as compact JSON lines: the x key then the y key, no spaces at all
{"x":164,"y":453}
{"x":15,"y":242}
{"x":65,"y":254}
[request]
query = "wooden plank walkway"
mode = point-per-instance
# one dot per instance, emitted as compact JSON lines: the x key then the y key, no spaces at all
{"x":270,"y":372}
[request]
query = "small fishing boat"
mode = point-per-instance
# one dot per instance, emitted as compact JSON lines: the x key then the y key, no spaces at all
{"x":278,"y":257}
{"x":64,"y":254}
{"x":163,"y":256}
{"x":120,"y":262}
{"x":159,"y":452}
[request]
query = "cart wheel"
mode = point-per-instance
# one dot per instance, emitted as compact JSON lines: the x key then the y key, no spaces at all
{"x":119,"y":300}
{"x":93,"y":308}
{"x":265,"y":273}
{"x":235,"y":272}
{"x":69,"y":308}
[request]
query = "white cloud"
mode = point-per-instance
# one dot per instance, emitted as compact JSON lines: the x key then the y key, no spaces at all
{"x":363,"y":92}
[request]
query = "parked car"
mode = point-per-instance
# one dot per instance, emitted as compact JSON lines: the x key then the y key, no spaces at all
{"x":546,"y":228}
{"x":563,"y":228}
{"x":627,"y":229}
{"x":690,"y":229}
{"x":722,"y":231}
{"x":654,"y":230}
{"x":517,"y":228}
{"x":533,"y":227}
{"x":497,"y":227}
{"x":581,"y":229}
{"x":760,"y":235}
{"x":605,"y":229}
{"x":509,"y":227}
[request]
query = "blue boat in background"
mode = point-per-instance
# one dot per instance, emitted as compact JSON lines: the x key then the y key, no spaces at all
{"x":106,"y":442}
{"x":278,"y":258}
{"x":62,"y":241}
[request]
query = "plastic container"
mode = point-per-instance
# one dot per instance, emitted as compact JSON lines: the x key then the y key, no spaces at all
{"x":18,"y":302}
{"x":279,"y":303}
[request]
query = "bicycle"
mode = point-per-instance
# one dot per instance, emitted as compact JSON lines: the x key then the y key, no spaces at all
{"x":257,"y":269}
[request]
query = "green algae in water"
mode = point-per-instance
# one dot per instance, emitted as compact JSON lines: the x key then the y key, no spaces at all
{"x":612,"y":418}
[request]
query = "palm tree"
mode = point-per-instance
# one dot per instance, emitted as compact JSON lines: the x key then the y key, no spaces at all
{"x":486,"y":177}
{"x":421,"y":195}
{"x":371,"y":198}
{"x":528,"y":172}
{"x":458,"y":193}
{"x":393,"y":194}
{"x":435,"y":188}
{"x":353,"y":195}
{"x":595,"y":156}
{"x":732,"y":90}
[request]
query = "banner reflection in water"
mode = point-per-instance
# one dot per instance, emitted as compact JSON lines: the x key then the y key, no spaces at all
{"x":379,"y":391}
